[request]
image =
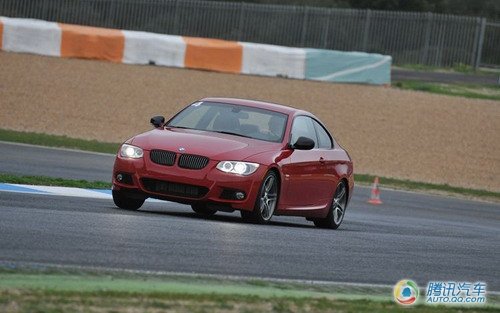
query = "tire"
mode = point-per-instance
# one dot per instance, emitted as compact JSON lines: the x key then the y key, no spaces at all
{"x":337,"y":209}
{"x":266,"y":201}
{"x":202,"y":209}
{"x":126,"y":202}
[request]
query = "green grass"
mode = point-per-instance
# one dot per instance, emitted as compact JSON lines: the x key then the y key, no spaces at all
{"x":39,"y":291}
{"x":50,"y":181}
{"x":26,"y":300}
{"x":457,"y":68}
{"x":461,"y":90}
{"x":411,"y":185}
{"x":58,"y":141}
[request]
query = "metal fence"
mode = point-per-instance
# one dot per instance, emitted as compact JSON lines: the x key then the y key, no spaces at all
{"x":491,"y":48}
{"x":411,"y":38}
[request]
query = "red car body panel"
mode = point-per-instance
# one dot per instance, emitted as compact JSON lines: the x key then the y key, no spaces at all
{"x":308,"y":178}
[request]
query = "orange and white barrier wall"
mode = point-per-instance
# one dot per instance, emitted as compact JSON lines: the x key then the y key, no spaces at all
{"x":31,"y":36}
{"x":134,"y":47}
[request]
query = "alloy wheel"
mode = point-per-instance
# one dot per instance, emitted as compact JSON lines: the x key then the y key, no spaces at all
{"x":339,"y":204}
{"x":268,"y":197}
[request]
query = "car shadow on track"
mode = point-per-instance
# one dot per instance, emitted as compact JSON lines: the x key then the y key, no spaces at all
{"x":215,"y":218}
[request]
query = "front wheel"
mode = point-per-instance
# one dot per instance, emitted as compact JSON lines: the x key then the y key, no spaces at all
{"x":266,"y":202}
{"x":337,"y":209}
{"x":126,"y":202}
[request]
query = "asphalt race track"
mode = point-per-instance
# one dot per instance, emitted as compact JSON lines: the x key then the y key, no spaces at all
{"x":411,"y":235}
{"x":32,"y":160}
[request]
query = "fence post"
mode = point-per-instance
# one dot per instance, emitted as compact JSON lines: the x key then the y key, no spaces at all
{"x":325,"y":33}
{"x":474,"y":43}
{"x":367,"y":29}
{"x":45,"y":11}
{"x":176,"y":18}
{"x":113,"y":10}
{"x":439,"y":45}
{"x":427,"y":40}
{"x":241,"y":21}
{"x":480,"y":43}
{"x":304,"y":26}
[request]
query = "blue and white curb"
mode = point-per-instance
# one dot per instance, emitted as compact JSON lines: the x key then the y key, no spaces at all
{"x":57,"y":191}
{"x":62,"y":191}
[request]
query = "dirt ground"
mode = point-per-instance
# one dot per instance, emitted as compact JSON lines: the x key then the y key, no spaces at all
{"x":388,"y":132}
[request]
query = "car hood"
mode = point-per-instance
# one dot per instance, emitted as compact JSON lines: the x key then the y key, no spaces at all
{"x":216,"y":146}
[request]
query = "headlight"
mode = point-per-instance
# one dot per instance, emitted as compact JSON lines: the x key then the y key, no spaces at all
{"x":128,"y":151}
{"x":235,"y":167}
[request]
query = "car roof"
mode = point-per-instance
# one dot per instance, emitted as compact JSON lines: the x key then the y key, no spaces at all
{"x":260,"y":104}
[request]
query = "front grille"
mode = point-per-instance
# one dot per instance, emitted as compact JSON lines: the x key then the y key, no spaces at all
{"x":174,"y":189}
{"x":191,"y":161}
{"x":162,"y":157}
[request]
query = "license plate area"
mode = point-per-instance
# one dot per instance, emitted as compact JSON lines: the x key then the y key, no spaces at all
{"x":174,"y":189}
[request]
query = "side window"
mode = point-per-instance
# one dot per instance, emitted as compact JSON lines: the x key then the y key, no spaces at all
{"x":303,"y":127}
{"x":324,"y":140}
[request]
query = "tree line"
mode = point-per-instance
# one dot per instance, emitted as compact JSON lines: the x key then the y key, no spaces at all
{"x":482,"y":8}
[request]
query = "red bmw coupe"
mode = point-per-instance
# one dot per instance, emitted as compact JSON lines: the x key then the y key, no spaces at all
{"x":221,"y":154}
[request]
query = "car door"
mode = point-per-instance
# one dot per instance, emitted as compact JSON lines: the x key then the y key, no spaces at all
{"x":329,"y":176}
{"x":303,"y":172}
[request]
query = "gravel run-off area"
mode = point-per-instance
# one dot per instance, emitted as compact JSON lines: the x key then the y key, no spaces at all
{"x":388,"y":132}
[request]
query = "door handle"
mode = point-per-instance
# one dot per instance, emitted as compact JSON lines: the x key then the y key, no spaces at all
{"x":321,"y":160}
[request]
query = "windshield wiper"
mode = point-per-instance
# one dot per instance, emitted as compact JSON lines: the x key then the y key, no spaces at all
{"x":231,"y":133}
{"x":183,"y":127}
{"x":215,"y":131}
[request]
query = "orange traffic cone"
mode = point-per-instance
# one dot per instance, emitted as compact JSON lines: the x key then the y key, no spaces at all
{"x":375,"y":196}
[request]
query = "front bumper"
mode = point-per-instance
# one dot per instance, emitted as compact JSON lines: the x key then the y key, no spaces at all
{"x":188,"y":186}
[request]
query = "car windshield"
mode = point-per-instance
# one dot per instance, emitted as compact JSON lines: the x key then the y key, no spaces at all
{"x":232,"y":119}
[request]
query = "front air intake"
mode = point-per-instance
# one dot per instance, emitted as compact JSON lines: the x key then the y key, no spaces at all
{"x":174,"y":189}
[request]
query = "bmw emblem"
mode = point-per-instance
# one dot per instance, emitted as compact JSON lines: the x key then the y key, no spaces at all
{"x":182,"y":149}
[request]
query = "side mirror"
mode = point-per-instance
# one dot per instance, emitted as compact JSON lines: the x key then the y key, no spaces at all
{"x":157,"y":121}
{"x":303,"y":143}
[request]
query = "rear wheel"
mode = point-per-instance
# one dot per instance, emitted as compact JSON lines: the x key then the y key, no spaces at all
{"x":337,"y":209}
{"x":202,"y":209}
{"x":126,"y":201}
{"x":266,"y":202}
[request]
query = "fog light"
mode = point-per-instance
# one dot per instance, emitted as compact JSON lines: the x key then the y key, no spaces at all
{"x":240,"y":195}
{"x":124,"y":178}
